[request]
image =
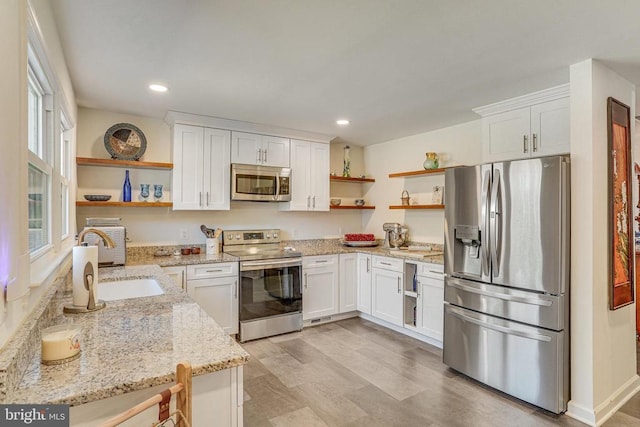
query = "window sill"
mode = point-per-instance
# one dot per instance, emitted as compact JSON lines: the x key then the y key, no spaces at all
{"x":47,"y":264}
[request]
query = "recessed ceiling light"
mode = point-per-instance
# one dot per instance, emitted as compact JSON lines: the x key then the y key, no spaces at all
{"x":158,"y":88}
{"x":342,"y":122}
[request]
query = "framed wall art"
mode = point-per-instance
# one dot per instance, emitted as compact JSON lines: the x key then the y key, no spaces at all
{"x":621,"y":242}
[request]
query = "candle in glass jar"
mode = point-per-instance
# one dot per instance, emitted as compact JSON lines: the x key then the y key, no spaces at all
{"x":60,"y":342}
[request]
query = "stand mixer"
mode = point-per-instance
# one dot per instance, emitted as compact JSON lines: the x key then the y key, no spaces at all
{"x":395,"y":234}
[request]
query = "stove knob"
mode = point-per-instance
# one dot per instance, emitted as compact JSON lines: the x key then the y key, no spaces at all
{"x":268,"y":236}
{"x":237,"y":236}
{"x":230,"y":237}
{"x":275,"y":235}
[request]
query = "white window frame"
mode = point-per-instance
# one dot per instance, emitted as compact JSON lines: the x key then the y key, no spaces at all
{"x":65,"y":148}
{"x":46,"y":261}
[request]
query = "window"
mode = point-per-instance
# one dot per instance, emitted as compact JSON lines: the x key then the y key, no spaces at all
{"x":40,"y":158}
{"x":65,"y":177}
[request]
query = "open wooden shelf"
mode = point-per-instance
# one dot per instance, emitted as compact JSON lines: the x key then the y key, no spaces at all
{"x":417,"y":173}
{"x":127,"y":204}
{"x":352,"y":207}
{"x":87,"y":161}
{"x":350,"y":179}
{"x":416,"y":207}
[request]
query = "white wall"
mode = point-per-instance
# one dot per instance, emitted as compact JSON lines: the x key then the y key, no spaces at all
{"x":603,"y":349}
{"x":23,"y":290}
{"x":159,"y":226}
{"x":456,"y":145}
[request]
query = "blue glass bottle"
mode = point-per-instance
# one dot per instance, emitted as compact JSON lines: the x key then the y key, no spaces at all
{"x":126,"y":188}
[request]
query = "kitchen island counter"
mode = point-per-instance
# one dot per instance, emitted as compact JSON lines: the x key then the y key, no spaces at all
{"x":130,"y":345}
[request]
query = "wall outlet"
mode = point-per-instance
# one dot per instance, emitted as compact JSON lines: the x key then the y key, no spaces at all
{"x":184,"y":234}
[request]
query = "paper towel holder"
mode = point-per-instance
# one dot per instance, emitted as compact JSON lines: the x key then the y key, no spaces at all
{"x":93,"y":305}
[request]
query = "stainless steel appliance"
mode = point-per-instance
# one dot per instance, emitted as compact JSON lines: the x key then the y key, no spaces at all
{"x":395,"y":235}
{"x":506,"y":320}
{"x":118,"y":233}
{"x":260,"y":183}
{"x":270,"y":283}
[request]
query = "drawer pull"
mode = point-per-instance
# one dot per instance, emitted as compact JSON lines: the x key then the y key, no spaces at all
{"x":215,"y":271}
{"x":386,"y":263}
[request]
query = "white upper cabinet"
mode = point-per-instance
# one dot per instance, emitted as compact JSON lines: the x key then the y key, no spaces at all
{"x":255,"y":149}
{"x":533,"y":125}
{"x":309,"y":176}
{"x":201,"y":168}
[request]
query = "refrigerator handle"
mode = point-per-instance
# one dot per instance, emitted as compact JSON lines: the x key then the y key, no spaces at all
{"x":498,"y":328}
{"x":496,"y":222}
{"x":484,"y":237}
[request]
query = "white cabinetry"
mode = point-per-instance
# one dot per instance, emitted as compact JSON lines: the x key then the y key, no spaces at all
{"x":430,"y":308}
{"x":533,"y":125}
{"x":320,"y":292}
{"x":309,"y":176}
{"x":177,"y":274}
{"x":348,"y":282}
{"x":215,"y":288}
{"x":387,"y":288}
{"x":255,"y":149}
{"x":201,"y":168}
{"x":364,"y":283}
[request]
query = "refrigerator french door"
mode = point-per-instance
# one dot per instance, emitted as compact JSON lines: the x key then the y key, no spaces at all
{"x":507,"y":276}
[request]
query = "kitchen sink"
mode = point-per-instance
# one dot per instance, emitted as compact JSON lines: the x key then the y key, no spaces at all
{"x":128,"y":288}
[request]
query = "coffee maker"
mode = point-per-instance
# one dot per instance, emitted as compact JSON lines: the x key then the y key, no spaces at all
{"x":395,"y":234}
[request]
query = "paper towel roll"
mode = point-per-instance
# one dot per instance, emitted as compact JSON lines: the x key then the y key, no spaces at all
{"x":81,"y":256}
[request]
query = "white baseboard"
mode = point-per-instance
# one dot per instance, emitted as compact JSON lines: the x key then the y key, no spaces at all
{"x":601,"y":413}
{"x":402,"y":330}
{"x":328,"y":319}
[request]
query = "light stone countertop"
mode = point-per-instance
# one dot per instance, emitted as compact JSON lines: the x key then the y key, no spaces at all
{"x":144,"y":254}
{"x":130,"y":345}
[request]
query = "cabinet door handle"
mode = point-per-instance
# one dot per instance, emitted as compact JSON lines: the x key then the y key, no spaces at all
{"x":314,"y":202}
{"x":235,"y":289}
{"x":525,"y":143}
{"x":259,"y":155}
{"x":306,"y":281}
{"x":200,"y":198}
{"x":182,"y":279}
{"x":265,"y":155}
{"x":308,"y":202}
{"x":535,"y":142}
{"x":398,"y":284}
{"x":368,"y":262}
{"x":207,"y":198}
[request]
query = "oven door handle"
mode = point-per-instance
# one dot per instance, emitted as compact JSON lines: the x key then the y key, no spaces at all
{"x":261,"y":265}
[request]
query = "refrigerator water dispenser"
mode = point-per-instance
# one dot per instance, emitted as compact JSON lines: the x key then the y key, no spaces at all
{"x":470,"y":237}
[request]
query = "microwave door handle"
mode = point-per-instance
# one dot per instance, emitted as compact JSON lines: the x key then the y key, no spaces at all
{"x":277,"y":195}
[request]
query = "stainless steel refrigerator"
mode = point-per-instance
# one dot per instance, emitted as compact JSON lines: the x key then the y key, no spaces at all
{"x":506,"y":321}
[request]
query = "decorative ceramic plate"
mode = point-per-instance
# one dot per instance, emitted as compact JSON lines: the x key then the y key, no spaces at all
{"x":97,"y":197}
{"x":125,"y":141}
{"x":360,"y":243}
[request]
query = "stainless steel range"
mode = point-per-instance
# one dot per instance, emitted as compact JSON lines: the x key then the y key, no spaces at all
{"x":270,"y":283}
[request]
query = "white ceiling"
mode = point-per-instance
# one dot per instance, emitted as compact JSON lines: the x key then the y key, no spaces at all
{"x":394,"y":68}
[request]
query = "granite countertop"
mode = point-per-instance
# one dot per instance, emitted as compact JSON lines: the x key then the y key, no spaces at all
{"x":130,"y":345}
{"x":145,"y":254}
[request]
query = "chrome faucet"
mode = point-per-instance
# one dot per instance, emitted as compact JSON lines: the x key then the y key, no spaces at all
{"x":108,"y":241}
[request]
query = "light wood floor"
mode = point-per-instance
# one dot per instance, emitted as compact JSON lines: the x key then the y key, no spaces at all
{"x":356,"y":373}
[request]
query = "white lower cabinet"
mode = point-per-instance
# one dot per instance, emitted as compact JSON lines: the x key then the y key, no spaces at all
{"x":364,"y":283}
{"x":387,"y":288}
{"x":177,"y":274}
{"x":320,"y":292}
{"x":217,"y":401}
{"x":348,"y":282}
{"x":430,"y":304}
{"x":215,"y":288}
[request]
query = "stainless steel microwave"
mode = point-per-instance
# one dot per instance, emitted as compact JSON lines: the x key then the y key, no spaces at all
{"x":260,"y":183}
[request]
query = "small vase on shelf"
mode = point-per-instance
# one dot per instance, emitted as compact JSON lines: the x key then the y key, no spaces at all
{"x":157,"y":192}
{"x":432,"y":161}
{"x":346,"y":165}
{"x":144,"y":192}
{"x":126,"y":187}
